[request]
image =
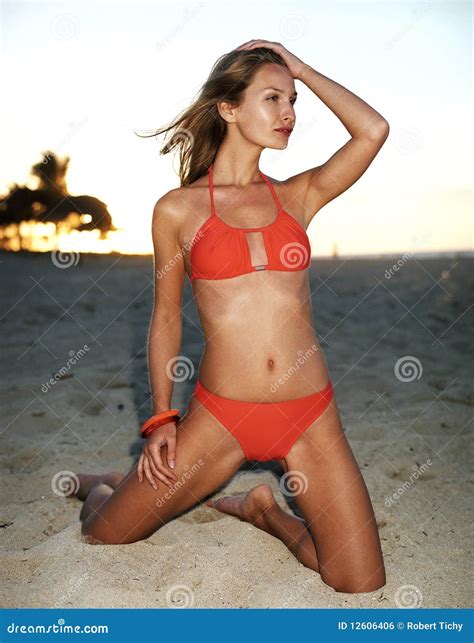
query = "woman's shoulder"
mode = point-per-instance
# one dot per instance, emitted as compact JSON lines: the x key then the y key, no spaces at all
{"x":180,"y":203}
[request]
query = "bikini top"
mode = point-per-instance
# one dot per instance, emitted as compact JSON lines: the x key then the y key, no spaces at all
{"x":221,"y":251}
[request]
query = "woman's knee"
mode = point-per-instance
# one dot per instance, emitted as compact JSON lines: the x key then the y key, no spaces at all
{"x":89,"y":539}
{"x":356,"y":585}
{"x":93,"y":533}
{"x":88,"y":532}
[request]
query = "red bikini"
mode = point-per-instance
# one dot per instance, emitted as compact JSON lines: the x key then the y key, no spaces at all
{"x":221,"y":251}
{"x":265,"y":430}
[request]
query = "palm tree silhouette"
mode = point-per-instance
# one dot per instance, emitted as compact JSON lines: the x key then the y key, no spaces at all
{"x":50,"y":202}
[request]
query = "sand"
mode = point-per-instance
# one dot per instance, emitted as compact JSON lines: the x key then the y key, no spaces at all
{"x":409,"y":436}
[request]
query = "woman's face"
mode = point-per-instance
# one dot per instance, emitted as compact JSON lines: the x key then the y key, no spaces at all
{"x":268,"y":105}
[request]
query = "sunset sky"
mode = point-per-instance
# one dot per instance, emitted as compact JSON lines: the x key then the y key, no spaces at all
{"x":80,"y":77}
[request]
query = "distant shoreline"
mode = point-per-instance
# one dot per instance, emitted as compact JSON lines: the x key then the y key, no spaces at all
{"x":468,"y":254}
{"x":454,"y":254}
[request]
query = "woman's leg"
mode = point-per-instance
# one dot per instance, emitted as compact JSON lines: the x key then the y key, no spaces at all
{"x":333,"y":497}
{"x":259,"y":507}
{"x":206,"y":457}
{"x":328,"y":486}
{"x":94,"y":489}
{"x":87,"y":481}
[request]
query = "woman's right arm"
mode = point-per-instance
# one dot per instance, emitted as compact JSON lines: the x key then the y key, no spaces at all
{"x":165,"y":333}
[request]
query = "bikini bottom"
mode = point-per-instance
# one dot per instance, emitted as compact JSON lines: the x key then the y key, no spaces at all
{"x":266,"y":430}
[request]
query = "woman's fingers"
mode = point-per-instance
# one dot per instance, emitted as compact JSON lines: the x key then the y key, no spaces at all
{"x":140,"y":468}
{"x":152,"y":473}
{"x":245,"y":44}
{"x":155,"y":456}
{"x":150,"y":464}
{"x":148,"y":473}
{"x":158,"y":474}
{"x":171,"y":450}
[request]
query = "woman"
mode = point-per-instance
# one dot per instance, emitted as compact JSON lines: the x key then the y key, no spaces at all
{"x":241,"y":238}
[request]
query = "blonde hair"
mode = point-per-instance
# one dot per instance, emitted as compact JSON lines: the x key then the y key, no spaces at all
{"x":198,"y":131}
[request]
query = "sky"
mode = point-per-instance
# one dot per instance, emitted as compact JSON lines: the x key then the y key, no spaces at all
{"x":80,"y":78}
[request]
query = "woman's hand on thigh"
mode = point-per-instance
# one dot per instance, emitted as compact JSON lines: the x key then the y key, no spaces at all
{"x":150,"y":463}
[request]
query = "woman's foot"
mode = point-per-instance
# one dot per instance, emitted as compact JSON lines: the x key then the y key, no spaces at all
{"x":87,"y":481}
{"x":252,"y":506}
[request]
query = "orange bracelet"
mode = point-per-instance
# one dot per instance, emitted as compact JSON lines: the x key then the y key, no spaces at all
{"x":157,"y":420}
{"x":151,"y":427}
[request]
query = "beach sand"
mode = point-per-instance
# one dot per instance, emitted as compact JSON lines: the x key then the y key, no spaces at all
{"x":409,"y":437}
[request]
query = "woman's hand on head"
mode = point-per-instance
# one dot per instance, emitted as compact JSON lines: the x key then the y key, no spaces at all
{"x":294,"y":64}
{"x":150,"y":463}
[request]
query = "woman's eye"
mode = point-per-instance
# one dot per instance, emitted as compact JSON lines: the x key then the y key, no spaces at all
{"x":293,"y":101}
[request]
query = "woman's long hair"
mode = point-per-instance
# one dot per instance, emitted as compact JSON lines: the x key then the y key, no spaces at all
{"x":198,"y":131}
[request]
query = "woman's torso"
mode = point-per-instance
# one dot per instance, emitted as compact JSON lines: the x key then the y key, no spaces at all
{"x":260,"y":344}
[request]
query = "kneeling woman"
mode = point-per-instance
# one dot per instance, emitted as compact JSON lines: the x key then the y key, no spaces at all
{"x":241,"y":238}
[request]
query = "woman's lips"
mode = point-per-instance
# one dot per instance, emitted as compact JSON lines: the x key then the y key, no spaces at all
{"x":285,"y":132}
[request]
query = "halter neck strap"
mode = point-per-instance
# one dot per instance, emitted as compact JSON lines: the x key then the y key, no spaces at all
{"x":211,"y":191}
{"x":272,"y":190}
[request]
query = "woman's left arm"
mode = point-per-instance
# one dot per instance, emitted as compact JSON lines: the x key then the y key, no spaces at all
{"x":368,"y":129}
{"x":317,"y":186}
